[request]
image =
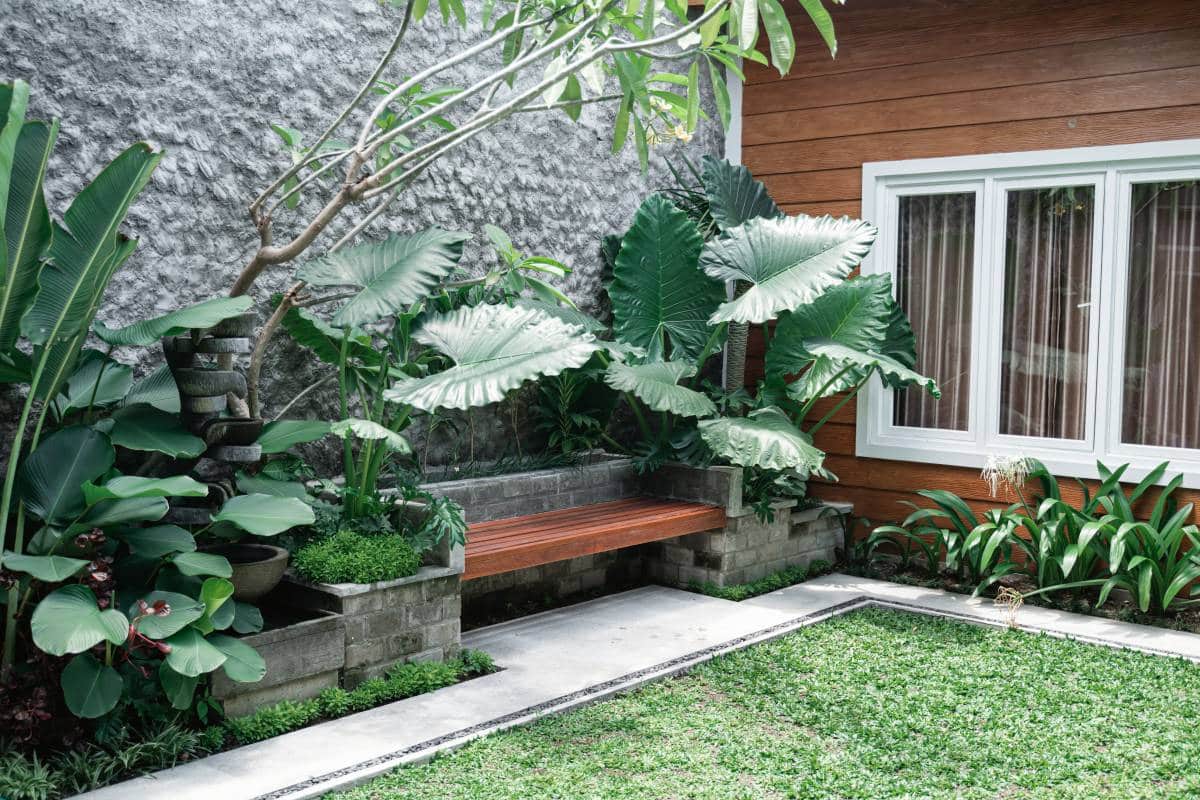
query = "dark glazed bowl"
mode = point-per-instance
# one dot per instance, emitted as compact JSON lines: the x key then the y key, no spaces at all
{"x":257,"y":568}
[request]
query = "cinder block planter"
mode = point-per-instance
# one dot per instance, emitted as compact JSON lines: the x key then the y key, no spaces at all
{"x":302,"y":657}
{"x":407,"y":619}
{"x":747,"y":548}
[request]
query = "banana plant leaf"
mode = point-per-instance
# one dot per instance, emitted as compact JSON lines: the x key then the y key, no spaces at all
{"x":51,"y":479}
{"x":27,"y":227}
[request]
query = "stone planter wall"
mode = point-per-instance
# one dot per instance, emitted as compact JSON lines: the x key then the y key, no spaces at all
{"x":600,"y":478}
{"x":302,"y":659}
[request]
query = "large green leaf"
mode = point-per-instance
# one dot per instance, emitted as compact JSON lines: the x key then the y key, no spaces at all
{"x":68,"y":620}
{"x":787,"y":262}
{"x":216,"y":594}
{"x":355,"y":428}
{"x":282,"y":434}
{"x":82,"y":249}
{"x":243,"y":663}
{"x":766,"y":438}
{"x":657,"y":385}
{"x":889,"y":368}
{"x":495,"y":349}
{"x":158,"y":541}
{"x":854,"y":313}
{"x":734,"y":196}
{"x":149,"y":429}
{"x":179,"y":689}
{"x":172,"y":612}
{"x":203,"y":564}
{"x":124,"y":487}
{"x":899,"y":342}
{"x":27,"y":228}
{"x":661,"y":301}
{"x":51,"y":569}
{"x":120,"y":512}
{"x":392,"y":274}
{"x":264,"y":515}
{"x":90,"y":688}
{"x":96,"y":381}
{"x":51,"y":480}
{"x":157,"y":389}
{"x":192,"y":655}
{"x":14,"y":99}
{"x":201,"y":315}
{"x":259,"y":484}
{"x":310,"y":331}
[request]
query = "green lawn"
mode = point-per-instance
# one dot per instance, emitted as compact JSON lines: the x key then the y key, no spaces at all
{"x":877,"y":704}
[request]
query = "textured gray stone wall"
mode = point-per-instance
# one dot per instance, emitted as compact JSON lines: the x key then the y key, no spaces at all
{"x":204,"y":79}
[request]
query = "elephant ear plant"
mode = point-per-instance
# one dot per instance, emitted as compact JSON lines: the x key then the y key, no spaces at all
{"x":413,"y":337}
{"x":826,"y":332}
{"x":87,"y":567}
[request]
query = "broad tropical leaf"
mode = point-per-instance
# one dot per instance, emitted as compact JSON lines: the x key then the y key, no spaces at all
{"x":661,"y":302}
{"x":282,"y":434}
{"x":173,"y":613}
{"x":97,"y":381}
{"x":242,"y":662}
{"x":196,"y":563}
{"x":734,"y":196}
{"x":91,"y":689}
{"x":26,"y":228}
{"x":119,"y":512}
{"x":257,"y":484}
{"x":157,"y":389}
{"x":888,"y":367}
{"x":373,"y":431}
{"x":392,"y":274}
{"x":149,"y":331}
{"x":151,"y":430}
{"x":325,"y":340}
{"x":263,"y":515}
{"x":495,"y":349}
{"x":158,"y":541}
{"x":657,"y":385}
{"x":787,"y":262}
{"x":14,"y":99}
{"x":192,"y":655}
{"x":766,"y":438}
{"x":568,"y":314}
{"x":125,"y":487}
{"x":51,"y":569}
{"x":68,"y":620}
{"x":854,"y":313}
{"x":900,"y":343}
{"x":51,"y":479}
{"x":82,"y":250}
{"x":179,"y":689}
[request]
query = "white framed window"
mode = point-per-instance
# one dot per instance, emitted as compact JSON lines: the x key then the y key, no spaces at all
{"x":1055,"y":298}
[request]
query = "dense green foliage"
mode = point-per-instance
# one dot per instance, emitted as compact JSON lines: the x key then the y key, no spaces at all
{"x":401,"y":681}
{"x":764,"y":585}
{"x":1100,"y":544}
{"x":349,"y":557}
{"x":874,"y":705}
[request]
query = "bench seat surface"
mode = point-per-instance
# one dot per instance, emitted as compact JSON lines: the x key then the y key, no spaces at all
{"x":504,"y":545}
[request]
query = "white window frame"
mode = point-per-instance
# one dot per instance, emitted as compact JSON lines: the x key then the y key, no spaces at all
{"x":1111,"y":171}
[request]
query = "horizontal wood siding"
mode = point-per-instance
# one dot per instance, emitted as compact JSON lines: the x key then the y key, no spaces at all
{"x":929,"y":78}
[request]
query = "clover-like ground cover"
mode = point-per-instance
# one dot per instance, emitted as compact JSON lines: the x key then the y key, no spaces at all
{"x":876,"y":704}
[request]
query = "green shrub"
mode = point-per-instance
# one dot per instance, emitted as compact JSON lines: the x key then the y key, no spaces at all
{"x":768,"y":583}
{"x":334,"y":702}
{"x":473,"y":663}
{"x":273,"y":720}
{"x":26,"y":778}
{"x":349,"y":557}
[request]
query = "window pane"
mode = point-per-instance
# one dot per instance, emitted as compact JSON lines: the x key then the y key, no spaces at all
{"x":933,"y":286}
{"x":1047,"y":297}
{"x":1162,"y":346}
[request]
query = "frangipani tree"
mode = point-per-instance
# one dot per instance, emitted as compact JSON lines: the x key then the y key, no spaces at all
{"x":643,"y":56}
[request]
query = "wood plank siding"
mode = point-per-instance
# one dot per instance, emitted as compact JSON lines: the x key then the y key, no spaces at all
{"x":929,"y":78}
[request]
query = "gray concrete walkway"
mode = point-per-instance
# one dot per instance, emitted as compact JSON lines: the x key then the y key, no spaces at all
{"x":564,"y":658}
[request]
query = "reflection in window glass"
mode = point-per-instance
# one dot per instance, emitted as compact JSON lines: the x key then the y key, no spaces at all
{"x":933,"y":287}
{"x":1162,"y":340}
{"x":1047,"y":305}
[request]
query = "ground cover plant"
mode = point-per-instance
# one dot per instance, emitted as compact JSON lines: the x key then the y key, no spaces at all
{"x":775,"y":581}
{"x":876,"y":704}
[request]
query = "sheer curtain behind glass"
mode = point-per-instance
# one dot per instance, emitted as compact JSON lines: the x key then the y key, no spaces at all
{"x":1047,"y":304}
{"x":1162,"y":340}
{"x":934,"y":265}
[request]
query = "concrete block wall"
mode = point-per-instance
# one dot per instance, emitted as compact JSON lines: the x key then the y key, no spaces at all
{"x":417,"y":618}
{"x":747,"y":548}
{"x":602,"y":479}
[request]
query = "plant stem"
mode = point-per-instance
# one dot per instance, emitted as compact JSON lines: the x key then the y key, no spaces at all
{"x":829,"y":415}
{"x":344,"y":408}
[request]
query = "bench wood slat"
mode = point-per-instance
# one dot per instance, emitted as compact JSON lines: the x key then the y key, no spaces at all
{"x":518,"y":542}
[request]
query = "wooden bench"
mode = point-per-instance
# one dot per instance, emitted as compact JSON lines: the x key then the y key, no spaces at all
{"x":504,"y":545}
